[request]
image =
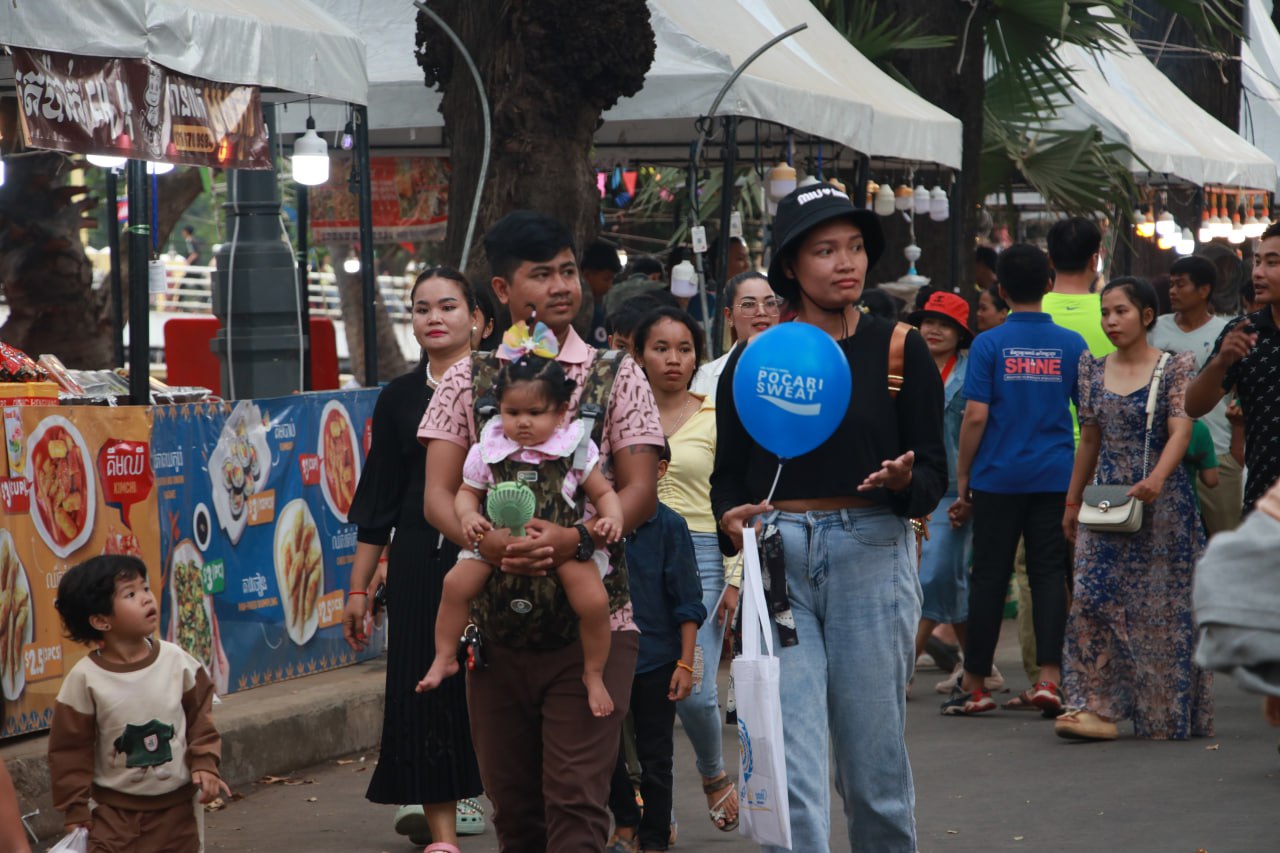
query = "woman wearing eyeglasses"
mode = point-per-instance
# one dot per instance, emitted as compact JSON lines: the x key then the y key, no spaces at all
{"x":752,"y":307}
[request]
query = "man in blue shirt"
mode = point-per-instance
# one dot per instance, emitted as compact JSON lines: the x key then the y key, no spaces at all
{"x":1012,"y":472}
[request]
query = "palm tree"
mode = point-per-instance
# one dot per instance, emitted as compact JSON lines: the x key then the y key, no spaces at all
{"x":1006,"y":113}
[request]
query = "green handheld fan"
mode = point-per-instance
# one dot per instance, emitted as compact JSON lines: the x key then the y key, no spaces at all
{"x":510,"y":505}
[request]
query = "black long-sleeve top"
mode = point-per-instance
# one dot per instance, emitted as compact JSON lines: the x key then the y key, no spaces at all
{"x":876,"y":427}
{"x":389,"y":494}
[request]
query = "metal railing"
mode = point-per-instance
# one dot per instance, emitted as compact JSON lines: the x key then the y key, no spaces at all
{"x":190,"y":291}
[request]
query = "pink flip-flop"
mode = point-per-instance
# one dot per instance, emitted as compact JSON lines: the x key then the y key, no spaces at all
{"x":441,"y":847}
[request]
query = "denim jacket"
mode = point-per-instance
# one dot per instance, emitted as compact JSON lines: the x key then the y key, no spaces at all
{"x":952,"y":416}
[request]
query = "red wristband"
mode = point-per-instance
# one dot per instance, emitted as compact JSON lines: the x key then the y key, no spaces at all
{"x":1077,"y":506}
{"x":357,"y":592}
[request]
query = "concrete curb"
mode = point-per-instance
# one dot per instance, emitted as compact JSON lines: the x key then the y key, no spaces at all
{"x":269,"y":730}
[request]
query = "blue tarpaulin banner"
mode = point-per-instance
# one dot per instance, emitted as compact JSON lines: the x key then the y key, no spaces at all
{"x":256,"y":549}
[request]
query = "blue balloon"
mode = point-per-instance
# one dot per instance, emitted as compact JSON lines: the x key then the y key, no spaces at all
{"x":791,"y":387}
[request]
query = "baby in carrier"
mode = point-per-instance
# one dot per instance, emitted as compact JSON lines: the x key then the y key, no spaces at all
{"x":528,"y":442}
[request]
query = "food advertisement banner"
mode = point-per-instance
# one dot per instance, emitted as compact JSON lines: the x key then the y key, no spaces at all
{"x":126,"y":107}
{"x":77,"y":482}
{"x":410,"y":201}
{"x":255,"y":545}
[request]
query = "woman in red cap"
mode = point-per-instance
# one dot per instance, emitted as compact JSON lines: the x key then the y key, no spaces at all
{"x":843,"y":511}
{"x":944,"y":558}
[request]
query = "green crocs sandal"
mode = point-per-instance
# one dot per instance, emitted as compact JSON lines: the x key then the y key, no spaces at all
{"x":412,"y":821}
{"x":470,"y":820}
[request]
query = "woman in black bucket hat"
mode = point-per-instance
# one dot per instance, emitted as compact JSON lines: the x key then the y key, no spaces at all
{"x":843,"y":511}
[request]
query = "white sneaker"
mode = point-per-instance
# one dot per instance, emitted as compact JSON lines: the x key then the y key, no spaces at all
{"x":945,"y":687}
{"x":926,"y":661}
{"x":993,"y":683}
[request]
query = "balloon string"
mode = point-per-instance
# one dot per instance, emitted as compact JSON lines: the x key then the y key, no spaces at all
{"x":776,"y":477}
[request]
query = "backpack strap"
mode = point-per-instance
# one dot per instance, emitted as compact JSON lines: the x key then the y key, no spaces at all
{"x":484,"y":405}
{"x":594,"y":402}
{"x":897,"y":358}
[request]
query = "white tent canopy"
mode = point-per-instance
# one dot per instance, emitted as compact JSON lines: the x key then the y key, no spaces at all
{"x":283,"y":44}
{"x":1260,"y":76}
{"x":814,"y":82}
{"x":1131,"y":101}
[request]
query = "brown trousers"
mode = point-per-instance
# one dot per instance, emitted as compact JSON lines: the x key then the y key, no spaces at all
{"x":545,"y":761}
{"x":171,"y":830}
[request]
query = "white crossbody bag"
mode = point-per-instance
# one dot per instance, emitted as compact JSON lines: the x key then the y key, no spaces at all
{"x":1110,"y":509}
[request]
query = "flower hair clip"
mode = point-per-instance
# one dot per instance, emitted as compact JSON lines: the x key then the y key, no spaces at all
{"x":518,"y":342}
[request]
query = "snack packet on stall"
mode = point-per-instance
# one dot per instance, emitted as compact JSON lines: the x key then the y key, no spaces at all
{"x":17,"y":366}
{"x":58,"y":373}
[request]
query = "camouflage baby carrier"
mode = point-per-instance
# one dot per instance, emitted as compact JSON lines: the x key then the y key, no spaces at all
{"x":518,"y":611}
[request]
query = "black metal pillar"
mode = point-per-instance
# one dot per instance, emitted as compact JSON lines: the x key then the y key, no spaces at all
{"x":255,"y":291}
{"x":139,"y":295}
{"x":304,"y":281}
{"x":368,"y":292}
{"x":113,"y":249}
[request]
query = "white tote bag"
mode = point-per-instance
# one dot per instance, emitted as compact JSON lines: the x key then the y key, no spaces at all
{"x":763,"y":812}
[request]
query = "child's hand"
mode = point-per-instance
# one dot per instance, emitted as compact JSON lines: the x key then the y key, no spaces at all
{"x":475,"y":526}
{"x":681,"y":684}
{"x":609,"y":528}
{"x":209,"y":785}
{"x":69,"y":828}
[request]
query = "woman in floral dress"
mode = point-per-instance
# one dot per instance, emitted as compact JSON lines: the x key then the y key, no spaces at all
{"x":1131,"y":633}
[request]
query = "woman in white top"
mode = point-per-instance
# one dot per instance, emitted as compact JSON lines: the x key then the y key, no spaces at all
{"x":751,"y":308}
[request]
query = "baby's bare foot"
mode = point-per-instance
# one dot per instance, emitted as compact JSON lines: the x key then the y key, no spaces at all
{"x":441,"y":668}
{"x":598,"y":696}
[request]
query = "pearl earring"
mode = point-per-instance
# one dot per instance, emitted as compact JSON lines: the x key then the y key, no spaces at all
{"x":475,"y":329}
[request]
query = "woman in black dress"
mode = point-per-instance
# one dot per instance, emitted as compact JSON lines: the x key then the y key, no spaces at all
{"x":426,"y":754}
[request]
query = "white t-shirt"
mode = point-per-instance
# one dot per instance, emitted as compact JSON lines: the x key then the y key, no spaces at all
{"x":707,"y":379}
{"x":1199,"y":342}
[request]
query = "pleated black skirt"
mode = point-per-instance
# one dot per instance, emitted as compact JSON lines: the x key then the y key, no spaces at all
{"x":426,"y":755}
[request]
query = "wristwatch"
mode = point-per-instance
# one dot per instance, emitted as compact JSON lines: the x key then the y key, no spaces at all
{"x":586,"y":545}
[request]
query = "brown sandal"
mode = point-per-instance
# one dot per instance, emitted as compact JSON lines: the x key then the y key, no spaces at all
{"x":1021,"y":702}
{"x":719,"y":814}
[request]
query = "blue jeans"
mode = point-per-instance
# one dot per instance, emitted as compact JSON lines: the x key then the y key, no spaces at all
{"x":851,"y":577}
{"x":944,"y":568}
{"x":700,"y":712}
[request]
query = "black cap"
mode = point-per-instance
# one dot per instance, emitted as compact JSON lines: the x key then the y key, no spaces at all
{"x":803,"y":209}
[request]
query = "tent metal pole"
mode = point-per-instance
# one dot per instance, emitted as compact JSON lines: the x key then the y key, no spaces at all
{"x":368,"y":290}
{"x":139,"y":295}
{"x":113,"y":249}
{"x":958,"y":247}
{"x":692,"y":186}
{"x":715,"y":325}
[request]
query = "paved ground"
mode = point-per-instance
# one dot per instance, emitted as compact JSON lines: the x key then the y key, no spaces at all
{"x":993,"y":783}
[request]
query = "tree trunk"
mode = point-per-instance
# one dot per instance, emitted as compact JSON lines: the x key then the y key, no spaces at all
{"x":47,"y":279}
{"x":391,"y":360}
{"x":935,"y":77}
{"x":549,"y":70}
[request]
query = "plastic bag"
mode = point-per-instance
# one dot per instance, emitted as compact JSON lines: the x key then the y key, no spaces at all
{"x":76,"y":842}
